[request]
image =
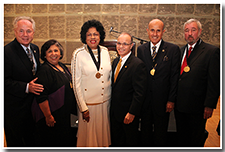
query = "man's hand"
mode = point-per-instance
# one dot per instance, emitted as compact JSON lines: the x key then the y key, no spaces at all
{"x":208,"y":112}
{"x":35,"y":88}
{"x":169,"y":106}
{"x":128,"y":118}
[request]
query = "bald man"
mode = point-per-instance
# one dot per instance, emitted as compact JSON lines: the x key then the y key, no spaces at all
{"x":162,"y":60}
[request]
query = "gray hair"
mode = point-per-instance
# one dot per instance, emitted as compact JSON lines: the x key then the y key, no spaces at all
{"x":17,"y":19}
{"x":193,"y":20}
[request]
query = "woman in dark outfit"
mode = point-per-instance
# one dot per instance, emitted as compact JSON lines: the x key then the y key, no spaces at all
{"x":54,"y":105}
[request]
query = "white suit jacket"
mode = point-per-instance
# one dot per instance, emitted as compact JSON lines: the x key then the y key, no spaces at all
{"x":87,"y":88}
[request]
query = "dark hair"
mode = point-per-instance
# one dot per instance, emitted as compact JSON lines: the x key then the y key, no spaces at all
{"x":47,"y":45}
{"x":92,"y":23}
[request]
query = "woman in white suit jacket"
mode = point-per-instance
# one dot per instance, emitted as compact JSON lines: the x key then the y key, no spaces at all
{"x":92,"y":86}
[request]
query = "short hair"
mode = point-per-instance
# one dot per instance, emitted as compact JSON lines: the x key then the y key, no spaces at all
{"x":92,"y":23}
{"x":47,"y":45}
{"x":17,"y":19}
{"x":193,"y":20}
{"x":131,"y":37}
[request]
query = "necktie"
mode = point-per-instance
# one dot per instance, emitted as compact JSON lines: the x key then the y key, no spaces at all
{"x":117,"y":70}
{"x":30,"y":56}
{"x":184,"y":64}
{"x":154,"y":53}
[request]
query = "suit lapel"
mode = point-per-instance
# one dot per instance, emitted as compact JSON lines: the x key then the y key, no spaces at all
{"x":23,"y":56}
{"x":161,"y":53}
{"x":124,"y":68}
{"x":197,"y":51}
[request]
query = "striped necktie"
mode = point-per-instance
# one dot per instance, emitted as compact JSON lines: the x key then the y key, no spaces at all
{"x":154,"y":53}
{"x":117,"y":70}
{"x":30,"y":56}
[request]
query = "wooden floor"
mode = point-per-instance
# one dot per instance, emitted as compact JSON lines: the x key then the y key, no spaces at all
{"x":213,"y":139}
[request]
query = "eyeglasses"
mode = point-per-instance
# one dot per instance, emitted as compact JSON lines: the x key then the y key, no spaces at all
{"x":123,"y":44}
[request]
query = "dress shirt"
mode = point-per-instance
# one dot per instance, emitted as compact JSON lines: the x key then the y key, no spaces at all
{"x":157,"y":46}
{"x":35,"y":63}
{"x":124,"y":59}
{"x":184,"y":55}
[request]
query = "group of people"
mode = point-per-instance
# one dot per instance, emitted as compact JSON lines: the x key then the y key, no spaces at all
{"x":109,"y":99}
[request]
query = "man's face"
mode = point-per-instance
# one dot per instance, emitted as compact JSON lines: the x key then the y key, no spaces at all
{"x":155,"y":31}
{"x":24,"y":32}
{"x":192,"y":33}
{"x":124,"y":45}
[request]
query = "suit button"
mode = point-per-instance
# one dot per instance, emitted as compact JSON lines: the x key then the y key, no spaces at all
{"x":179,"y":79}
{"x":85,"y":89}
{"x":102,"y":81}
{"x":102,"y":88}
{"x":102,"y":94}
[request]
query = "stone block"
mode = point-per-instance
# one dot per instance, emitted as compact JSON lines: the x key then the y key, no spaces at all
{"x":216,"y":31}
{"x":23,"y":8}
{"x":128,"y":8}
{"x":110,"y":7}
{"x":217,"y":10}
{"x":90,"y":17}
{"x":57,"y":27}
{"x":143,"y":25}
{"x":128,"y":24}
{"x":41,"y":30}
{"x":92,"y":8}
{"x":56,"y":8}
{"x":8,"y":9}
{"x":8,"y":28}
{"x":39,"y":8}
{"x":179,"y":30}
{"x":187,"y":9}
{"x":147,"y":8}
{"x":204,"y":9}
{"x":169,"y":26}
{"x":74,"y":8}
{"x":70,"y":47}
{"x":207,"y":28}
{"x":109,"y":21}
{"x":73,"y":26}
{"x":166,"y":9}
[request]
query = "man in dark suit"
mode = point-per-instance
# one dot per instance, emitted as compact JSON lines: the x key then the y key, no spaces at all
{"x":198,"y":87}
{"x":162,"y":60}
{"x":19,"y":84}
{"x":129,"y":81}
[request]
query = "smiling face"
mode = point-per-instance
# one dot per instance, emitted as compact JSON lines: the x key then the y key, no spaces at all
{"x":155,"y":31}
{"x":53,"y":55}
{"x":92,"y":38}
{"x":124,"y":45}
{"x":24,"y":32}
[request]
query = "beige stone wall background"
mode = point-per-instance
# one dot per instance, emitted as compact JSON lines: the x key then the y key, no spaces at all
{"x":63,"y":21}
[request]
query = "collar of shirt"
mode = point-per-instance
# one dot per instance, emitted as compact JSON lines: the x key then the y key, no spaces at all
{"x":25,"y":48}
{"x":124,"y":59}
{"x":186,"y":51}
{"x":157,"y":46}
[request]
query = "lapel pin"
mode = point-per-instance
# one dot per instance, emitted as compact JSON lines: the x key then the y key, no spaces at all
{"x":125,"y":67}
{"x":34,"y":51}
{"x":163,"y":50}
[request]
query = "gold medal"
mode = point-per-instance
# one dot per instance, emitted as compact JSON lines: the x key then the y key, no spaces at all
{"x":98,"y":75}
{"x":186,"y":69}
{"x":152,"y":72}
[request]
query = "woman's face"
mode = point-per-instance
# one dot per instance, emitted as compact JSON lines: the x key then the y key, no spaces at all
{"x":53,"y":55}
{"x":92,"y":38}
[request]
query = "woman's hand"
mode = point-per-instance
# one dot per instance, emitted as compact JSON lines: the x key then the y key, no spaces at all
{"x":50,"y":121}
{"x":86,"y":116}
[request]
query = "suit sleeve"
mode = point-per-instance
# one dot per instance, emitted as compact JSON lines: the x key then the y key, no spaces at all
{"x":76,"y":79}
{"x":213,"y":80}
{"x":139,"y":83}
{"x":174,"y":74}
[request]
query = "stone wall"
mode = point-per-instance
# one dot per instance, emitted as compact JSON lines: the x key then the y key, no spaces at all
{"x":63,"y":21}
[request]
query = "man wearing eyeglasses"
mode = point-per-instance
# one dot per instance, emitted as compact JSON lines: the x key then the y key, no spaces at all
{"x":129,"y":79}
{"x":162,"y":60}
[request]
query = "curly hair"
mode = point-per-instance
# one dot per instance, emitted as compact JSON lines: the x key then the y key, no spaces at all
{"x":47,"y":45}
{"x":92,"y":23}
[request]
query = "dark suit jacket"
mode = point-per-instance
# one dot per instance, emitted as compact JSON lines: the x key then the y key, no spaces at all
{"x":17,"y":73}
{"x":162,"y":87}
{"x":200,"y":87}
{"x":128,"y":92}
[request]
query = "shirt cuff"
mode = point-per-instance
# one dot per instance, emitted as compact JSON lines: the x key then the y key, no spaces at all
{"x":27,"y":88}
